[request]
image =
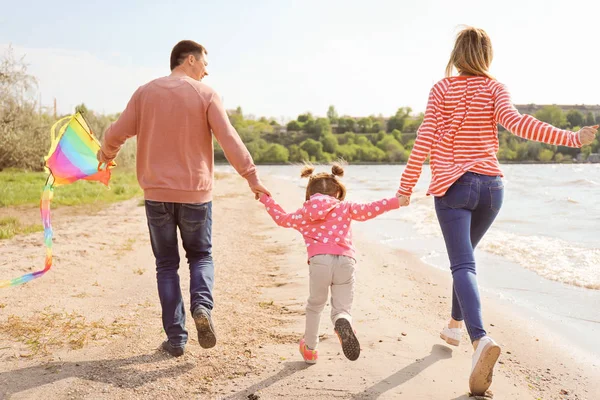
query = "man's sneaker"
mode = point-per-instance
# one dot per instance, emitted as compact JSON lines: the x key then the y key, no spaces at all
{"x":310,"y":356}
{"x":347,"y":338}
{"x":452,"y":336}
{"x":205,"y":328}
{"x":172,"y":350}
{"x":482,"y":369}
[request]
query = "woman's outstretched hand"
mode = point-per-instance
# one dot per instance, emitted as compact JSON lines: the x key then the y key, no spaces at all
{"x":404,"y":200}
{"x":587,"y":134}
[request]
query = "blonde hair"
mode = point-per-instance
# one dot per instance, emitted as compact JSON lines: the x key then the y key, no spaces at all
{"x":324,"y":183}
{"x":472,"y":53}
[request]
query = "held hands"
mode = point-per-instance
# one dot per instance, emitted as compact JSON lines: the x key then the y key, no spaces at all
{"x":404,"y":200}
{"x":259,"y":189}
{"x":587,"y":134}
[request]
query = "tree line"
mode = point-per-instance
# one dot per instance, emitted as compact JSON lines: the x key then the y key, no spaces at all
{"x":385,"y":140}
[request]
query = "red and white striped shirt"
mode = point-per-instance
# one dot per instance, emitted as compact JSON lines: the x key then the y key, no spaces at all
{"x":460,"y":133}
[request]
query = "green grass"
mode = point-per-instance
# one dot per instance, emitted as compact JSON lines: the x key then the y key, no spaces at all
{"x":10,"y":226}
{"x":20,"y":188}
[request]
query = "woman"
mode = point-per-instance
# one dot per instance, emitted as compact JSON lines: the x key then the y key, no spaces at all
{"x":459,"y":133}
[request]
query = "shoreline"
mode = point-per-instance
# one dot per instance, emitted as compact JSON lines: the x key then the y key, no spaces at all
{"x":567,"y":309}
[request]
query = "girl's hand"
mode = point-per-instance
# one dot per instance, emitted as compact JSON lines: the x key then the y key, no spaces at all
{"x":587,"y":134}
{"x":404,"y":200}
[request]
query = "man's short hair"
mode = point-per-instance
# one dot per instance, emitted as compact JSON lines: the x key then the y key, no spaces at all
{"x":184,"y":49}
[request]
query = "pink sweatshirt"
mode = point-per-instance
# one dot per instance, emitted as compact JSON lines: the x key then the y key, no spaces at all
{"x":324,"y":221}
{"x":172,"y":118}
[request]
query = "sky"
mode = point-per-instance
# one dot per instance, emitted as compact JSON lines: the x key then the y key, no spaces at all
{"x":281,"y":58}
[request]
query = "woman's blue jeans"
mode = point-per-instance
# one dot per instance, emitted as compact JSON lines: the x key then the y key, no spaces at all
{"x":465,"y":213}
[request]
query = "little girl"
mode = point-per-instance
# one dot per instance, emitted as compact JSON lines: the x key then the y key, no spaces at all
{"x":324,"y":221}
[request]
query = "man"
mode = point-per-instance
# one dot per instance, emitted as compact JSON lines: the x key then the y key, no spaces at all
{"x":172,"y":118}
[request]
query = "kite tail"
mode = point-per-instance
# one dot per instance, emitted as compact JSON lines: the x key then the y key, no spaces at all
{"x":45,"y":211}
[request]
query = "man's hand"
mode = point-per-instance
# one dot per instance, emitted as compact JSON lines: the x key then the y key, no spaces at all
{"x":259,"y":189}
{"x":587,"y":134}
{"x":101,"y":158}
{"x":404,"y":200}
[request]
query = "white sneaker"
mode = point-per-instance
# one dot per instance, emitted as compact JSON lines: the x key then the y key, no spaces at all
{"x":452,"y":336}
{"x":482,"y":369}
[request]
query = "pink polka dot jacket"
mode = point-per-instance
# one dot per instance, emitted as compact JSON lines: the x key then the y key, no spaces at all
{"x":325,"y":222}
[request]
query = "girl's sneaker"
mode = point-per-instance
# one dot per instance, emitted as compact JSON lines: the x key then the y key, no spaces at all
{"x":348,"y":339}
{"x":482,"y":369}
{"x":452,"y":336}
{"x":310,"y":356}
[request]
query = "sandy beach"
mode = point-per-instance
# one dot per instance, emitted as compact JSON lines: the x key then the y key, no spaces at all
{"x":90,"y":328}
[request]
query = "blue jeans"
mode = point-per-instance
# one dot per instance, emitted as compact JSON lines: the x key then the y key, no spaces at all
{"x":465,"y":213}
{"x":195,"y":225}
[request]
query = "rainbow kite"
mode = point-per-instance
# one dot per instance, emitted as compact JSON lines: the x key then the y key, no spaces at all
{"x":72,"y":157}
